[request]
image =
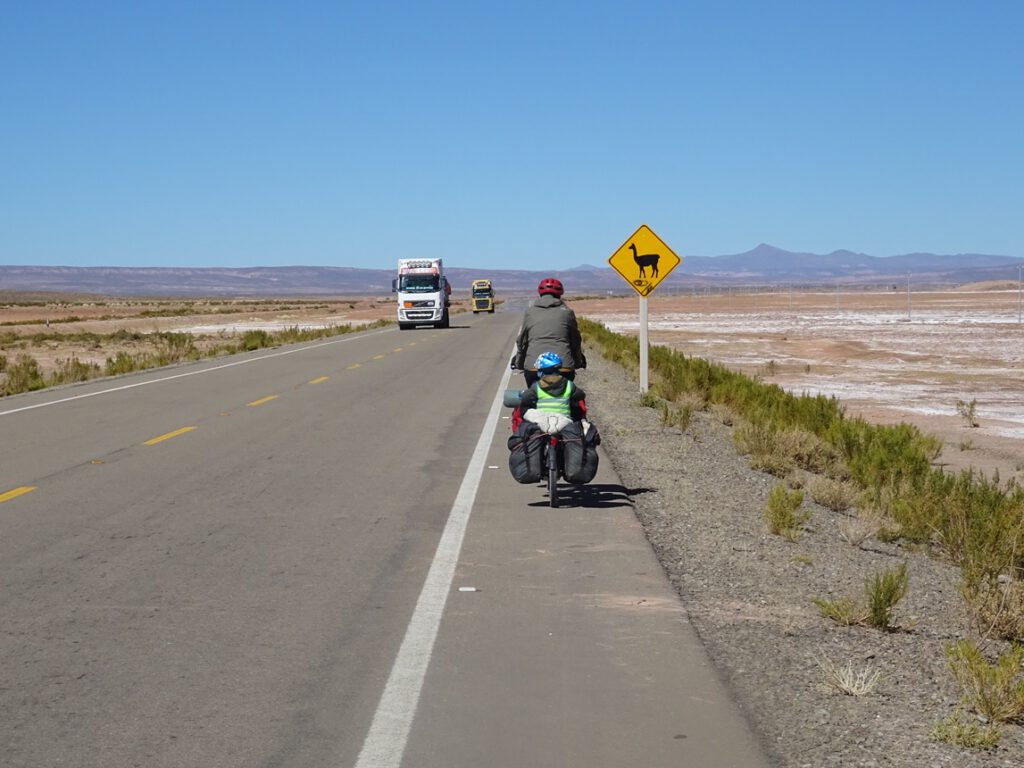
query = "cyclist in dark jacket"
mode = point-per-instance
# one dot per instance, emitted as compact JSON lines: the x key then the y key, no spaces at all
{"x":549,"y":326}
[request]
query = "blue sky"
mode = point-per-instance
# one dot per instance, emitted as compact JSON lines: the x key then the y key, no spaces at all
{"x":505,"y":135}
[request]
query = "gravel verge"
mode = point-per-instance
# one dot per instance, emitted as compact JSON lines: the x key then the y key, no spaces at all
{"x":749,"y":595}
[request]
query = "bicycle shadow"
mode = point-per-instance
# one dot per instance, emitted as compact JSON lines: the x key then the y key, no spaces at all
{"x":594,"y":496}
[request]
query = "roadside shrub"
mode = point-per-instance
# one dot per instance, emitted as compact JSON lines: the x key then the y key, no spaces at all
{"x":993,"y":689}
{"x":810,"y":452}
{"x":981,"y":524}
{"x":677,"y":417}
{"x":997,"y":605}
{"x":883,"y":591}
{"x":255,"y":339}
{"x":3,"y":363}
{"x":837,"y":495}
{"x":880,"y":454}
{"x":865,"y":525}
{"x":783,"y":513}
{"x":968,"y":411}
{"x":121,"y":363}
{"x":649,"y":399}
{"x":174,"y":347}
{"x":844,"y":610}
{"x":23,"y":375}
{"x":966,"y":732}
{"x":72,"y":370}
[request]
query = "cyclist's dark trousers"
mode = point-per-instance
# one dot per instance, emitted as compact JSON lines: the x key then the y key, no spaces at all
{"x":532,"y":376}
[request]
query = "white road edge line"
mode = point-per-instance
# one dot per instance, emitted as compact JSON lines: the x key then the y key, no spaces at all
{"x":189,"y":373}
{"x":389,"y":731}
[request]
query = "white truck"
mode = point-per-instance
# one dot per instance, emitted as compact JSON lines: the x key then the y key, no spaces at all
{"x":423,"y":293}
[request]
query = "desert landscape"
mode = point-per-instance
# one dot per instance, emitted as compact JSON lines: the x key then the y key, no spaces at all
{"x":889,"y":356}
{"x":72,"y":337}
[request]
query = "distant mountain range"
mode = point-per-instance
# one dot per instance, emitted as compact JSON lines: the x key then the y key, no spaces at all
{"x":763,"y":265}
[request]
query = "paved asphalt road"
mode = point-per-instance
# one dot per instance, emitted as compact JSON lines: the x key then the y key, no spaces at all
{"x":254,"y":561}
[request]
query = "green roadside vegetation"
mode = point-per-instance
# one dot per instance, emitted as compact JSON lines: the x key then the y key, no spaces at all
{"x":887,"y":474}
{"x":21,"y":372}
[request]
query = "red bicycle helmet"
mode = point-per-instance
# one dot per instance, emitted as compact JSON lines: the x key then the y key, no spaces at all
{"x":550,"y":285}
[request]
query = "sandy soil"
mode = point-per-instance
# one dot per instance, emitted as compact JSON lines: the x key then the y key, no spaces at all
{"x":888,"y":357}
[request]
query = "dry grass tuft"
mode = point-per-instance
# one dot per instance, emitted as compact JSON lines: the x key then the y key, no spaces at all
{"x":856,"y":530}
{"x":997,"y":606}
{"x":837,"y":495}
{"x":847,"y":680}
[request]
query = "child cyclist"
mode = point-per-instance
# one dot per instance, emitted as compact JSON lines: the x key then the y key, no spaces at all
{"x":552,"y":392}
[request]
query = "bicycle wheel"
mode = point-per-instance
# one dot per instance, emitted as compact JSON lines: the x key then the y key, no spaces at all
{"x":553,"y":473}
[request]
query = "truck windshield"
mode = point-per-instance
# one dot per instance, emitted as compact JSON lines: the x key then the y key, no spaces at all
{"x":419,"y":283}
{"x":482,"y":293}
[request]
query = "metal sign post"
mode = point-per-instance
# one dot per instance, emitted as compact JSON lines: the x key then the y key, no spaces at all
{"x":643,"y":344}
{"x":644,"y":260}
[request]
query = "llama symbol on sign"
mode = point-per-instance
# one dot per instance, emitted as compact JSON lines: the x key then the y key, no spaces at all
{"x":645,"y":261}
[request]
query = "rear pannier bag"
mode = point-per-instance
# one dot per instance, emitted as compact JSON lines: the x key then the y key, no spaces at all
{"x":579,"y":452}
{"x":526,"y":457}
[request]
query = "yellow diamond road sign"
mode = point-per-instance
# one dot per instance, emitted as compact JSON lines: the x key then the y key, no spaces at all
{"x":644,"y":260}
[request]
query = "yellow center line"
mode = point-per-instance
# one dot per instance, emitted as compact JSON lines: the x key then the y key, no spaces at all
{"x":378,"y":357}
{"x":352,"y":367}
{"x":320,"y":380}
{"x":168,"y":436}
{"x":261,"y":400}
{"x":397,"y":349}
{"x":16,"y":493}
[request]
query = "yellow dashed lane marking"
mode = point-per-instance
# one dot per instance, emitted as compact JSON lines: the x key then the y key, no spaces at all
{"x":263,"y":400}
{"x":378,"y":357}
{"x":16,"y":493}
{"x":353,"y":367}
{"x":320,"y":380}
{"x":397,"y":349}
{"x":168,"y":436}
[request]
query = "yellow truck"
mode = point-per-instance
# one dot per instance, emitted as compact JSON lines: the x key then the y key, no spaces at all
{"x":482,"y":294}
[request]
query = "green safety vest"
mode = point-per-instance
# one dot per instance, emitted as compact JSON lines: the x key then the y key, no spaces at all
{"x":548,"y":403}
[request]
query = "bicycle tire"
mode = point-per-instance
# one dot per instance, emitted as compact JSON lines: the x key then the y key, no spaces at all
{"x":552,"y":475}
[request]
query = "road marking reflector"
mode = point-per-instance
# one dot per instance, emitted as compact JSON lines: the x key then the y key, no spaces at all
{"x":263,"y":400}
{"x":320,"y":380}
{"x":16,"y":493}
{"x":97,"y":461}
{"x":168,"y":436}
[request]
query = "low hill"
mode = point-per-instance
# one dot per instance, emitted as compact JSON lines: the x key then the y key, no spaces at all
{"x":763,"y":265}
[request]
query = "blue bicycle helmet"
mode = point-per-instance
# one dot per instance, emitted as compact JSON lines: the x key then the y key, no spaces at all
{"x":548,"y":361}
